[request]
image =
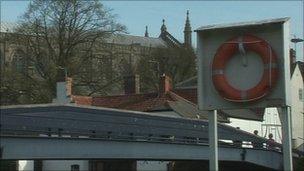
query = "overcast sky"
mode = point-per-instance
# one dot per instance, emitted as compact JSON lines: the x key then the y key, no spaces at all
{"x":137,"y":14}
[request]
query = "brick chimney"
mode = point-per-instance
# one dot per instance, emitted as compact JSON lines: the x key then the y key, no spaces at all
{"x":131,"y":84}
{"x":165,"y":84}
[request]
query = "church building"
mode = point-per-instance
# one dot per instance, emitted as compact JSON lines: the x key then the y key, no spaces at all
{"x":117,"y":52}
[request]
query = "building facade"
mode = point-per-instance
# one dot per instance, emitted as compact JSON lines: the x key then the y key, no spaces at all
{"x":118,"y":52}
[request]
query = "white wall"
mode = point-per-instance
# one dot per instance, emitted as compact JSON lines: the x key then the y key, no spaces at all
{"x":271,"y":124}
{"x":26,"y":165}
{"x":297,"y":108}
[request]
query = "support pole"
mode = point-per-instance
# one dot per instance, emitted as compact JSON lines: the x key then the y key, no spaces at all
{"x":213,"y":147}
{"x":286,"y":132}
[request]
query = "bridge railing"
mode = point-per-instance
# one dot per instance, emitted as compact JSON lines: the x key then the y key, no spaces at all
{"x":128,"y":136}
{"x":107,"y":124}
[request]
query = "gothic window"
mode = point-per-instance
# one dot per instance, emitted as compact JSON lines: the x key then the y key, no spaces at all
{"x":102,"y":66}
{"x":124,"y":63}
{"x":19,"y":61}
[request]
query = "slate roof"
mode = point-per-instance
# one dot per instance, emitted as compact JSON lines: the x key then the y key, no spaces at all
{"x":190,"y":94}
{"x":293,"y":66}
{"x":123,"y":39}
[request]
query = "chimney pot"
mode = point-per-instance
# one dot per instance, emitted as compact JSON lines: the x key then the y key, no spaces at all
{"x":165,"y":84}
{"x":69,"y":83}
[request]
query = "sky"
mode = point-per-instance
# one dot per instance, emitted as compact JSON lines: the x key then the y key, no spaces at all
{"x":137,"y":14}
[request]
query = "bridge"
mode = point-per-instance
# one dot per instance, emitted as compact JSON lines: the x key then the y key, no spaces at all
{"x":51,"y":131}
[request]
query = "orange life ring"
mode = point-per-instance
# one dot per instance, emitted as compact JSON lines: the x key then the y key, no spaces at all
{"x":226,"y":52}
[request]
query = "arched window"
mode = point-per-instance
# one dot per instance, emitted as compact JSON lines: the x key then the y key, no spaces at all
{"x":19,"y":61}
{"x":75,"y":167}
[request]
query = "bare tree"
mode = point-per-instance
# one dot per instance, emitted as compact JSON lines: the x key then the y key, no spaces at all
{"x":178,"y":63}
{"x":65,"y":34}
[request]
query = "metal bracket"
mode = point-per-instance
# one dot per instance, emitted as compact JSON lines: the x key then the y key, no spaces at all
{"x":242,"y":51}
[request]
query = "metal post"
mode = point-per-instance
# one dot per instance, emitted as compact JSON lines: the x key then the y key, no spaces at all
{"x":213,"y":147}
{"x":286,"y":133}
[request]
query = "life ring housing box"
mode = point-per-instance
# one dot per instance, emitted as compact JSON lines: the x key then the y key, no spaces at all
{"x":244,"y":65}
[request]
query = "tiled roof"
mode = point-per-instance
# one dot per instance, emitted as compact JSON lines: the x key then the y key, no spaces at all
{"x":300,"y":65}
{"x":136,"y":102}
{"x":155,"y":102}
{"x":82,"y":100}
{"x":123,"y":39}
{"x":150,"y":102}
{"x":189,"y":94}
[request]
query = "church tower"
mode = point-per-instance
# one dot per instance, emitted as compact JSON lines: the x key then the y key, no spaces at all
{"x":187,"y":33}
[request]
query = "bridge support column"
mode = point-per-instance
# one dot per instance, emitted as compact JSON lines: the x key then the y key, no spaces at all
{"x":213,"y":140}
{"x":38,"y":165}
{"x":286,"y":134}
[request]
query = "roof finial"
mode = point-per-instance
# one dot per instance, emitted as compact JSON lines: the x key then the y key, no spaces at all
{"x":146,"y":32}
{"x":163,"y":27}
{"x":187,"y":19}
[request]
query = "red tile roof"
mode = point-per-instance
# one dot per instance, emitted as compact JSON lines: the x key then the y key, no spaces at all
{"x":137,"y":102}
{"x":82,"y":100}
{"x":156,"y":102}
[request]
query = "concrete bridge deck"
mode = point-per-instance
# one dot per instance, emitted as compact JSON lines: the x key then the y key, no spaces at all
{"x":73,"y":132}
